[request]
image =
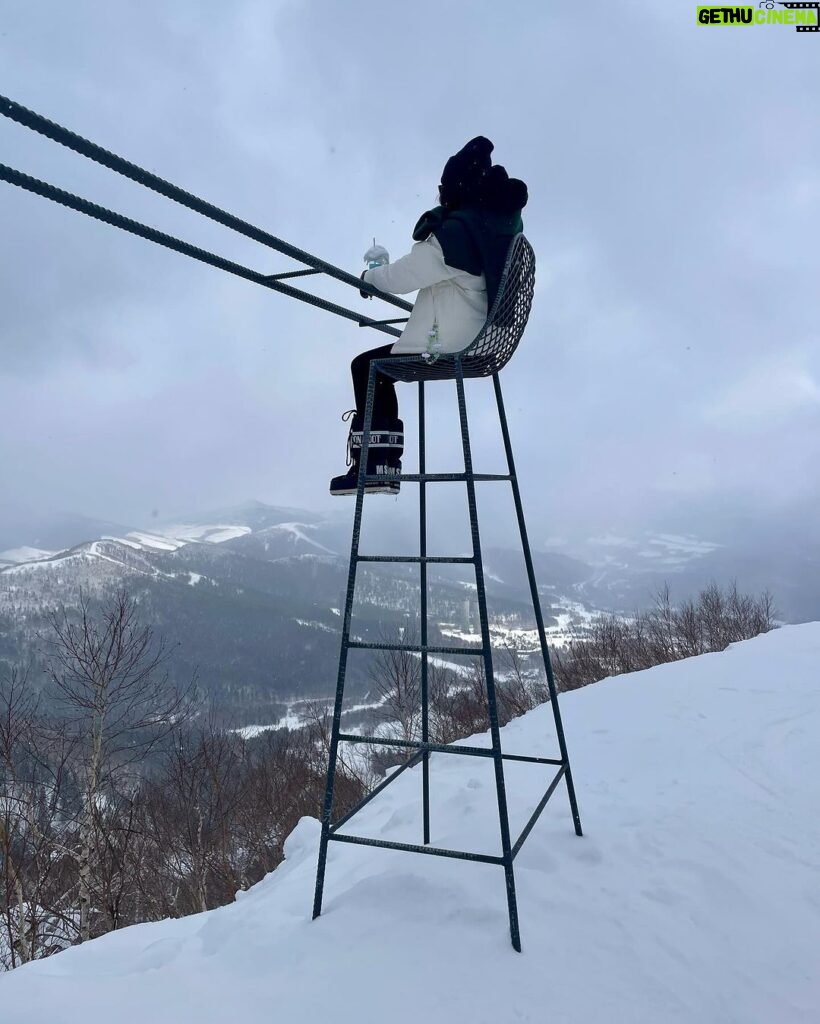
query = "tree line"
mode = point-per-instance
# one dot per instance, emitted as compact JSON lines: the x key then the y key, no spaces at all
{"x":123,"y":800}
{"x":667,"y":631}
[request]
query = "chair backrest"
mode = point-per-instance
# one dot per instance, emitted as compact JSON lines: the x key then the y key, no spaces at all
{"x":495,"y":343}
{"x":499,"y":337}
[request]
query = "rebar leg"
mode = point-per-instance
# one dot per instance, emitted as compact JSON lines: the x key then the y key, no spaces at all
{"x":506,"y":846}
{"x":425,"y":717}
{"x":536,"y":602}
{"x":340,"y":680}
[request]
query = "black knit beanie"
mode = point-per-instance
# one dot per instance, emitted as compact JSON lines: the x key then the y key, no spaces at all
{"x":463,"y":174}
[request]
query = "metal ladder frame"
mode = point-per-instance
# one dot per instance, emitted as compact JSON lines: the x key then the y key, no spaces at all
{"x":423,"y":749}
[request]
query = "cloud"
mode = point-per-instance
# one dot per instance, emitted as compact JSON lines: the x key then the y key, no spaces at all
{"x":784,"y":386}
{"x":673,"y":210}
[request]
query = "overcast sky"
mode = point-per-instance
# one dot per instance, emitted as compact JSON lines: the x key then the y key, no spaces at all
{"x":671,"y":368}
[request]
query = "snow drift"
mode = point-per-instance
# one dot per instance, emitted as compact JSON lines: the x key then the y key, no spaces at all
{"x":694,"y":895}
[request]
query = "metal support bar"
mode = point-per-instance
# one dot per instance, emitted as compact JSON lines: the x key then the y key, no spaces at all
{"x":536,"y":603}
{"x":440,"y":478}
{"x":438,"y":748}
{"x":295,"y":273}
{"x":423,"y":561}
{"x":383,"y":844}
{"x":396,"y":320}
{"x":525,"y":758}
{"x":537,"y":812}
{"x":327,"y":810}
{"x":492,"y":702}
{"x":414,"y":760}
{"x":419,"y":559}
{"x":443,"y":748}
{"x":414,"y":648}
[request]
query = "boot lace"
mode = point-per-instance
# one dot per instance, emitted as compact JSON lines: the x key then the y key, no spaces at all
{"x":345,"y":417}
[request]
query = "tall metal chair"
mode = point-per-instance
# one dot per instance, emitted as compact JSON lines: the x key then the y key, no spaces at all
{"x":485,"y":356}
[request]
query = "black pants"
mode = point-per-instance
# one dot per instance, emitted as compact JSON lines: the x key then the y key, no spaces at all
{"x":385,"y":403}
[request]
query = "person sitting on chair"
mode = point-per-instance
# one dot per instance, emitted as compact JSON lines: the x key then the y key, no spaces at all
{"x":456,"y":266}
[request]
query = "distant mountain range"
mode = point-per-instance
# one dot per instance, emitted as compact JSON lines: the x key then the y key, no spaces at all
{"x":250,"y":597}
{"x":626,"y":571}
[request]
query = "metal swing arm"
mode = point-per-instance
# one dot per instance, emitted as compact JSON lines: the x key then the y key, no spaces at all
{"x":314,"y":265}
{"x":57,"y":195}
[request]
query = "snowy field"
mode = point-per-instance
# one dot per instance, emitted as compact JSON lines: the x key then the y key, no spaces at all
{"x":694,"y":895}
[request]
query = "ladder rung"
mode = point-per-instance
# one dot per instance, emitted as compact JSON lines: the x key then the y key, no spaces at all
{"x":415,"y":478}
{"x":414,"y":648}
{"x":383,"y":844}
{"x":418,"y":559}
{"x":444,"y":748}
{"x":377,"y":323}
{"x":433,"y":748}
{"x":291,"y":273}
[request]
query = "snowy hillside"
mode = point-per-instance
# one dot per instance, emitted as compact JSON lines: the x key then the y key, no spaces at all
{"x":249,"y":600}
{"x":266,"y":521}
{"x":694,"y":895}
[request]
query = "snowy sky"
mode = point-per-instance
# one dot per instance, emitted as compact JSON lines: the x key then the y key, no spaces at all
{"x":671,"y":369}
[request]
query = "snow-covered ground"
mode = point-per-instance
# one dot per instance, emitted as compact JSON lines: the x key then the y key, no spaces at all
{"x":300,"y":713}
{"x":571,"y":619}
{"x":694,"y":895}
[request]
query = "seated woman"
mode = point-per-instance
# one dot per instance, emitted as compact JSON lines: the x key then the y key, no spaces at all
{"x":456,"y":266}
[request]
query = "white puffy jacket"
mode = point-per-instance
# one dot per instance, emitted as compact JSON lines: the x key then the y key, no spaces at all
{"x":454,"y":299}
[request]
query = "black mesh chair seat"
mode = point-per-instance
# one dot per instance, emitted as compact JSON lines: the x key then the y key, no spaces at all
{"x":495,"y":343}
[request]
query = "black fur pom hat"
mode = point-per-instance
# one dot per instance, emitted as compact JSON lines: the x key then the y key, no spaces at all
{"x":502,"y":194}
{"x":470,"y":179}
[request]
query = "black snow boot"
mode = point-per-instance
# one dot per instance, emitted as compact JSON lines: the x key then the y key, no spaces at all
{"x":383,"y":459}
{"x":386,"y":442}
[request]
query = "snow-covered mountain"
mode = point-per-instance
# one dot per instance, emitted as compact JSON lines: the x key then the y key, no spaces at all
{"x":692,"y":897}
{"x":250,"y":599}
{"x":16,"y":556}
{"x":250,"y":595}
{"x":288,"y":531}
{"x":612,"y":571}
{"x":778,"y":554}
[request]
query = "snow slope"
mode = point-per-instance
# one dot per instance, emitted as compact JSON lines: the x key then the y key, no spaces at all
{"x":694,"y":896}
{"x":25,"y":554}
{"x":253,"y":517}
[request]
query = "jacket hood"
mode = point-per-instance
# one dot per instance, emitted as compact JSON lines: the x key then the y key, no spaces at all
{"x":473,"y":240}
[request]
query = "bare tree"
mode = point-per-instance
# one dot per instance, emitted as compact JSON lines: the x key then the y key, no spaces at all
{"x":396,"y":679}
{"x":219,"y":811}
{"x":17,"y":713}
{"x":666,"y":632}
{"x":446,"y":689}
{"x":115,"y":705}
{"x":519,"y":689}
{"x":31,"y":852}
{"x":190,"y":812}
